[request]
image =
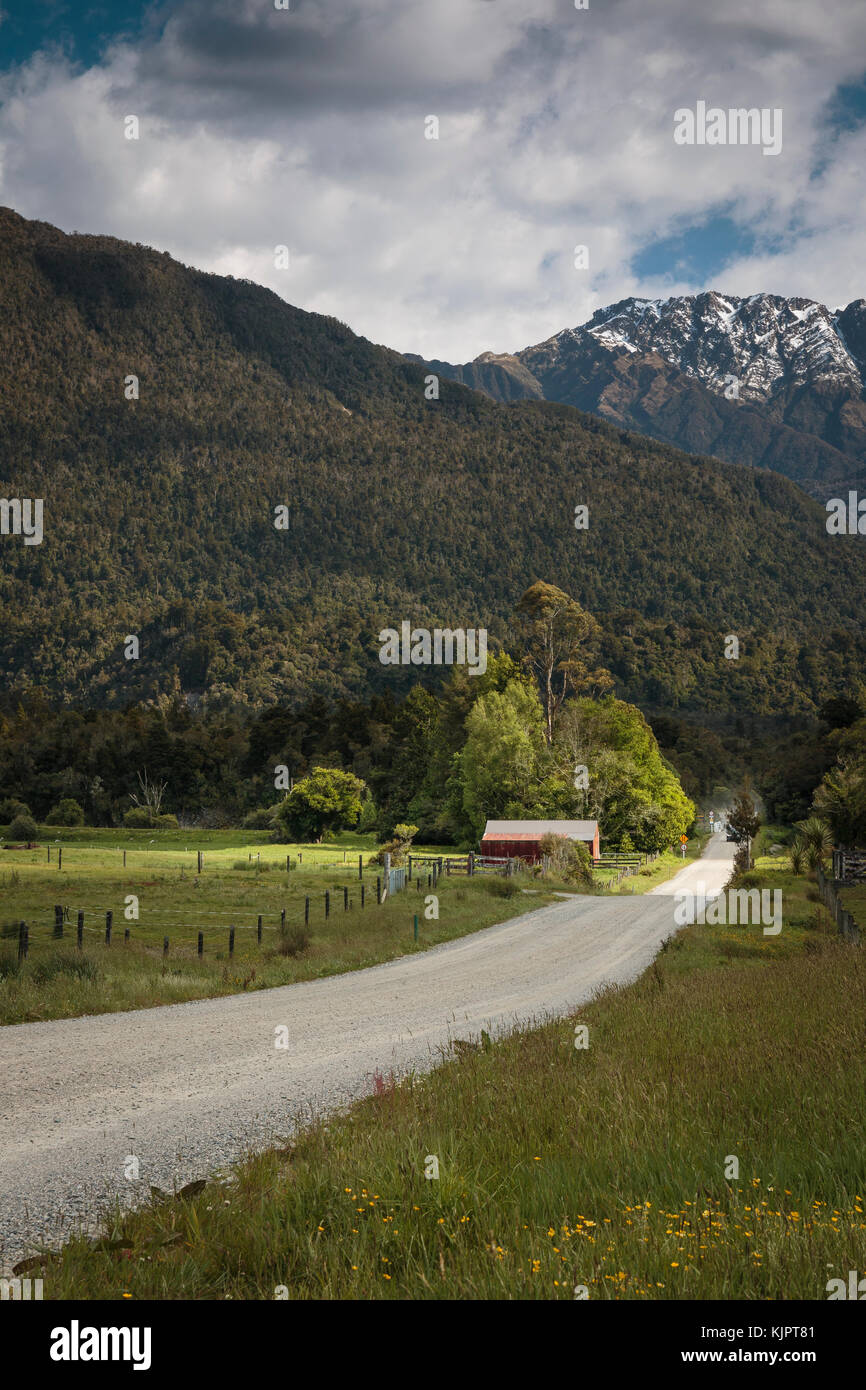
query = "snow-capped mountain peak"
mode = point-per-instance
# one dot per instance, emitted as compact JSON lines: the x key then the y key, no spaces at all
{"x":764,"y":340}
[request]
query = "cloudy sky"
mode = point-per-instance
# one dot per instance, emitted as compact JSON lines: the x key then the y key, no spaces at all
{"x":305,"y":127}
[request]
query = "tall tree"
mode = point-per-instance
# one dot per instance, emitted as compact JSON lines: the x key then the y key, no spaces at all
{"x":743,"y":819}
{"x":552,"y":630}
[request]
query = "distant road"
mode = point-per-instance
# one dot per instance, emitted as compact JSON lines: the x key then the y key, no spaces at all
{"x":189,"y":1087}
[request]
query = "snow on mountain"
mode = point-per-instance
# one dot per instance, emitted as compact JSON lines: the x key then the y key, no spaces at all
{"x":765,"y":341}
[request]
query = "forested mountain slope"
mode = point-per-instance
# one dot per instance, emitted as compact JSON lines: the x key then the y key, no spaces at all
{"x":159,"y":511}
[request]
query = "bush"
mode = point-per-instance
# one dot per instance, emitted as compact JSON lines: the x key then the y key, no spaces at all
{"x":140,"y":818}
{"x":797,"y":856}
{"x":23,"y":828}
{"x":569,"y":859}
{"x":750,"y":878}
{"x":262,"y":818}
{"x":11,"y":808}
{"x":79,"y":967}
{"x":293,"y":941}
{"x":398,"y":847}
{"x":9,"y":964}
{"x":501,"y":887}
{"x":66,"y":812}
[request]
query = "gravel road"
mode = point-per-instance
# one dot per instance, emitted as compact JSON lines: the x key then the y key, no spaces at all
{"x":188,"y":1088}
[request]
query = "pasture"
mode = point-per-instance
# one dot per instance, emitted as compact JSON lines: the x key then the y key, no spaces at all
{"x":150,"y":883}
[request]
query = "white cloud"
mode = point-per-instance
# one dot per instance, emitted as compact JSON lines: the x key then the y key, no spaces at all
{"x":306,"y":127}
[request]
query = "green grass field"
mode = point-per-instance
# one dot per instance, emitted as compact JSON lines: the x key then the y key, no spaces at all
{"x":243,"y":877}
{"x":605,"y":1169}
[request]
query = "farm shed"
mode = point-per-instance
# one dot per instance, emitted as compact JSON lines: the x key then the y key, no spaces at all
{"x":520,"y":839}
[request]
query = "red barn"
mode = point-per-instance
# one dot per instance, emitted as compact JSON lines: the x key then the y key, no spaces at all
{"x":520,"y":839}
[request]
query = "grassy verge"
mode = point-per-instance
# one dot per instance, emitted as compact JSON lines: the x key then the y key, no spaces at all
{"x":854,"y":901}
{"x":659,"y":871}
{"x":172,"y":900}
{"x":607,"y":1168}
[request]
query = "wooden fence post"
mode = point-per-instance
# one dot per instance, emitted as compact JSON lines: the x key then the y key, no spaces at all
{"x":164,"y":946}
{"x":379,"y":888}
{"x":345,"y":899}
{"x":362,"y":895}
{"x":201,"y":941}
{"x":231,"y":941}
{"x":306,"y":911}
{"x":22,"y":940}
{"x":198,"y":869}
{"x":360,"y":867}
{"x":80,"y":930}
{"x":58,"y":921}
{"x":258,"y":932}
{"x":327,"y":903}
{"x":60,"y":857}
{"x":108,"y":921}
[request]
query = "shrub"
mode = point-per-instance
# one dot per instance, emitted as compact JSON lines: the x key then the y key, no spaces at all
{"x":262,"y":818}
{"x":66,"y":812}
{"x":750,"y":878}
{"x":293,"y":941}
{"x":569,"y":859}
{"x":79,"y":967}
{"x":501,"y":887}
{"x":141,"y":818}
{"x":23,"y":828}
{"x":9,"y":964}
{"x":797,"y":856}
{"x":11,"y":808}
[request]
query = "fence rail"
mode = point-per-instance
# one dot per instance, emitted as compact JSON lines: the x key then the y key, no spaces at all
{"x":192,"y":937}
{"x":845,"y":924}
{"x":849,"y":865}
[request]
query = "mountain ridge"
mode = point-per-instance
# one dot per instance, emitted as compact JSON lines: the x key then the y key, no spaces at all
{"x":159,"y":511}
{"x":772,"y":382}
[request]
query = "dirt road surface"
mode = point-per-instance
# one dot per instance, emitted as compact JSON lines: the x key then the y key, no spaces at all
{"x":186,"y":1089}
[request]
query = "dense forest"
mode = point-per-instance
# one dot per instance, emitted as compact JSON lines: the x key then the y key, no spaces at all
{"x":160,"y":501}
{"x":218,"y":767}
